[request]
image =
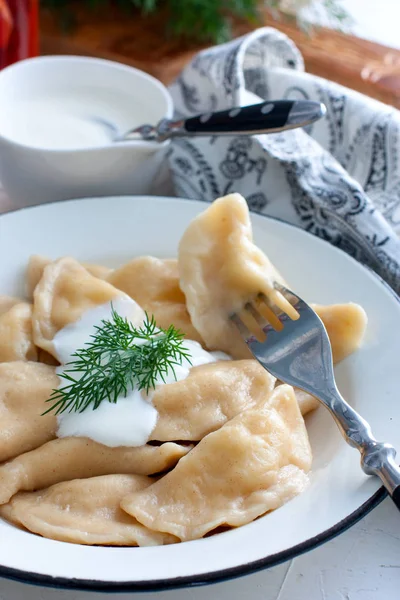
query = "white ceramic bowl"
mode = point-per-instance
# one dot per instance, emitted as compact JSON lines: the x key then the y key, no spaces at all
{"x":120,"y":94}
{"x":339,"y":493}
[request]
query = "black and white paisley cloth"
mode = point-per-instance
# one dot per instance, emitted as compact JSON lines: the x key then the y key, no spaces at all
{"x":338,"y":179}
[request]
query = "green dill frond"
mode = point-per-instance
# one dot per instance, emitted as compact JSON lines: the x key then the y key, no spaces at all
{"x":119,"y":358}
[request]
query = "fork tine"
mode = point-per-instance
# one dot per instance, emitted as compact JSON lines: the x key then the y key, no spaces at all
{"x":255,"y":313}
{"x":250,"y":320}
{"x":266,"y":310}
{"x":244,"y":332}
{"x":287,"y":293}
{"x":259,"y":333}
{"x":277,"y":296}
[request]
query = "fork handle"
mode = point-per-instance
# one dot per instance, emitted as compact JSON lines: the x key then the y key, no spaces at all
{"x":266,"y":117}
{"x":377,"y":458}
{"x":270,"y":116}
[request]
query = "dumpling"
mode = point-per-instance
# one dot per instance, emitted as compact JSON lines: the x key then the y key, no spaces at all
{"x":65,"y":291}
{"x":307,"y":402}
{"x":7,"y":302}
{"x":147,"y":279}
{"x":221,"y":269}
{"x":208,"y":398}
{"x":24,"y":389}
{"x":34,"y":272}
{"x":99,"y":271}
{"x":46,"y":358}
{"x":345,"y":325}
{"x":38,"y":263}
{"x":78,"y":458}
{"x":154,"y":284}
{"x":16,"y":336}
{"x":85,"y":511}
{"x":255,"y":463}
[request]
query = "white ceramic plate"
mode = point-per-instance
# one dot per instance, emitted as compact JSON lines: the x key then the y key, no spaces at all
{"x":111,"y":231}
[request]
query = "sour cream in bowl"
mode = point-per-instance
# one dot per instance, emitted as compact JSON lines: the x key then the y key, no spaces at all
{"x":58,"y":118}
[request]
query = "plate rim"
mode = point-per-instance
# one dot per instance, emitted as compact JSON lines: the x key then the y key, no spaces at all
{"x":191,"y":581}
{"x":220,"y":575}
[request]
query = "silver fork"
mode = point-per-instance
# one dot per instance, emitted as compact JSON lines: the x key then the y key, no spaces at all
{"x":298,"y":352}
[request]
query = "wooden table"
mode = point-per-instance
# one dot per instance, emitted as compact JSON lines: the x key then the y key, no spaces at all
{"x":365,"y":66}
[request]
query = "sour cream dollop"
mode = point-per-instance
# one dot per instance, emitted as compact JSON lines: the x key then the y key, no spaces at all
{"x":131,"y":420}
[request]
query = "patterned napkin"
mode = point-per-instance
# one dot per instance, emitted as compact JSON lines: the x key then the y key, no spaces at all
{"x":338,"y":179}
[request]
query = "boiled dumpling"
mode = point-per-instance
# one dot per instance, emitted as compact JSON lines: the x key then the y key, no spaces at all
{"x":154,"y":284}
{"x":16,"y":336}
{"x":7,"y":302}
{"x":221,"y":269}
{"x":38,"y":263}
{"x":24,"y":389}
{"x":148,"y":279}
{"x":210,"y":396}
{"x":307,"y":402}
{"x":46,"y":358}
{"x":255,"y":463}
{"x":65,"y":291}
{"x":99,"y":271}
{"x":85,"y":511}
{"x":345,"y":325}
{"x":77,"y":458}
{"x":34,"y":272}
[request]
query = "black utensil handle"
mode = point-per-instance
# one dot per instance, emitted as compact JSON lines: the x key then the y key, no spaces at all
{"x":273,"y":115}
{"x":396,"y":496}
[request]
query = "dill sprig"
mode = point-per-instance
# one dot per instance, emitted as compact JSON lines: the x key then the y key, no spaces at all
{"x":119,"y":358}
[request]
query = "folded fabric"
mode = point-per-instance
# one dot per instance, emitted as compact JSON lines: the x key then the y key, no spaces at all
{"x":338,"y":178}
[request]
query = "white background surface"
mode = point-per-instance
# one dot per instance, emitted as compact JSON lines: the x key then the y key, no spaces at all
{"x":374,"y":20}
{"x":361,"y":564}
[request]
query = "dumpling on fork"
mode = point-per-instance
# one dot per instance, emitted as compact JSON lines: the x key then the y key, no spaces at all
{"x":221,"y":269}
